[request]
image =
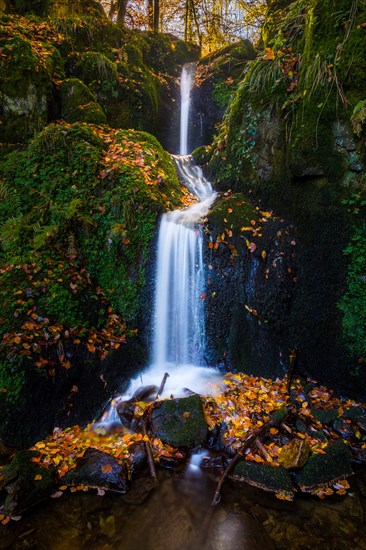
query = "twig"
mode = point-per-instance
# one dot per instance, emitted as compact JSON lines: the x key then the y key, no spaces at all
{"x":229,"y":467}
{"x":162,"y":385}
{"x":150,"y":457}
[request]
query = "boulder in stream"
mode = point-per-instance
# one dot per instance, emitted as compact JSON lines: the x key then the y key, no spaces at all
{"x":269,"y":478}
{"x":180,"y":422}
{"x":99,"y":470}
{"x":323,"y":470}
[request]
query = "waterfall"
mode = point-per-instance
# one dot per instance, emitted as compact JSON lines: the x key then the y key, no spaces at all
{"x":178,"y":322}
{"x":180,"y":280}
{"x":186,"y":85}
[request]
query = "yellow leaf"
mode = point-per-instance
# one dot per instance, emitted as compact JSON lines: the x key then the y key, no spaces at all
{"x":38,"y":477}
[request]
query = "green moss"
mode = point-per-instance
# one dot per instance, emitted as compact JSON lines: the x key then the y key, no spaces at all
{"x":180,"y":422}
{"x":105,"y":216}
{"x":353,"y":303}
{"x":73,"y":94}
{"x":325,"y":470}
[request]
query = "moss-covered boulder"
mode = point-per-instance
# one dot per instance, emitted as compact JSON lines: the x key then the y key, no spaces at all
{"x":79,"y":211}
{"x":180,"y":422}
{"x":268,"y":478}
{"x":324,"y":470}
{"x":78,"y":104}
{"x":25,"y":483}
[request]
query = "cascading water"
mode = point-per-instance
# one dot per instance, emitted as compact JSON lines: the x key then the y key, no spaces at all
{"x":178,"y":326}
{"x":186,"y":85}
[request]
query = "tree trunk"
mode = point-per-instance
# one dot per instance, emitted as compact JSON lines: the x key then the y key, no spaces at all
{"x":156,"y":15}
{"x":121,"y":11}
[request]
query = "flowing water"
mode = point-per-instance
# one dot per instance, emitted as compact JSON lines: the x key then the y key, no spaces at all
{"x":178,"y":323}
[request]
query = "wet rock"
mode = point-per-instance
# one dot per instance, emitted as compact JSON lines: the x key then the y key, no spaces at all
{"x":324,"y":470}
{"x":126,"y":412}
{"x":25,"y":483}
{"x":295,"y":454}
{"x":98,"y":469}
{"x":138,"y":455}
{"x":180,"y":422}
{"x":145,"y":393}
{"x":269,"y":478}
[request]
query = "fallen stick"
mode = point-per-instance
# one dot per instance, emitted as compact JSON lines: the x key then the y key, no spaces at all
{"x":150,"y":457}
{"x":162,"y":385}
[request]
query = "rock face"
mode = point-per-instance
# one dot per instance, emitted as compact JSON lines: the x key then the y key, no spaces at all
{"x":270,"y":147}
{"x":180,"y":422}
{"x":251,"y":263}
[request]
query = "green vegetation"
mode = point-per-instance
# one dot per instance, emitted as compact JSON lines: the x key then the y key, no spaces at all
{"x":78,"y":212}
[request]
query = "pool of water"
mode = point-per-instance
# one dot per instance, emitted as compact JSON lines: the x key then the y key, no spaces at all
{"x":177,"y":515}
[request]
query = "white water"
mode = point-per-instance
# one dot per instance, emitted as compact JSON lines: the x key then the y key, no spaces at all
{"x":186,"y":85}
{"x":178,"y":325}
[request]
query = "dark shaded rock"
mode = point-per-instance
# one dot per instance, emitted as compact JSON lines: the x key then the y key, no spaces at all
{"x":248,"y":292}
{"x":357,"y":414}
{"x":325,"y":469}
{"x":25,"y":482}
{"x":126,"y":411}
{"x":98,"y":469}
{"x":325,"y":416}
{"x":268,"y":478}
{"x":138,"y":455}
{"x":295,"y":454}
{"x":180,"y":422}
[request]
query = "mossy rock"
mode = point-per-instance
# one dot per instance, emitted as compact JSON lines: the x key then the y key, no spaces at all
{"x":231,"y":213}
{"x":74,"y":93}
{"x":25,"y":482}
{"x":91,"y":113}
{"x":323,"y":470}
{"x":180,"y":422}
{"x":269,"y":478}
{"x":26,"y":87}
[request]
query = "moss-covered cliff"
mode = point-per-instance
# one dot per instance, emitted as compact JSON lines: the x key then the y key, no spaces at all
{"x":293,"y":137}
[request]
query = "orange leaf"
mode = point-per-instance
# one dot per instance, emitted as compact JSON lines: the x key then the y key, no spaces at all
{"x":270,"y":55}
{"x":107,"y":469}
{"x":38,"y":477}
